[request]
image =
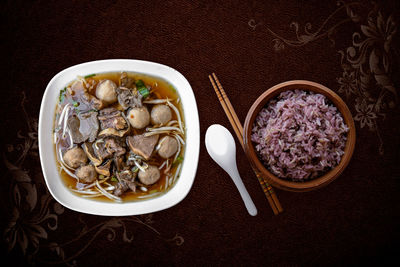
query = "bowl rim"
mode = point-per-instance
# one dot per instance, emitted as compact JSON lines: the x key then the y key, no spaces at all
{"x":274,"y":91}
{"x":57,"y":187}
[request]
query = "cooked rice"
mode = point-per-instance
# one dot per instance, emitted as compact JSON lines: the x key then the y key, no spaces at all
{"x":299,"y":135}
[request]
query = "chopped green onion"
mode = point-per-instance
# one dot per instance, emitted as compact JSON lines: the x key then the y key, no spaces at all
{"x":178,"y":159}
{"x":135,"y":169}
{"x":62,"y":95}
{"x":75,"y":103}
{"x":144,"y":92}
{"x":114,"y":179}
{"x":90,"y":75}
{"x":101,"y":176}
{"x":142,"y":88}
{"x":140,"y":83}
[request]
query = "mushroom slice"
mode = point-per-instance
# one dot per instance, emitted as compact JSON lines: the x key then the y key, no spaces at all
{"x":112,"y":118}
{"x":104,"y":168}
{"x":126,"y":81}
{"x":112,"y":131}
{"x":82,"y":95}
{"x":129,"y":98}
{"x":88,"y":148}
{"x":119,"y":163}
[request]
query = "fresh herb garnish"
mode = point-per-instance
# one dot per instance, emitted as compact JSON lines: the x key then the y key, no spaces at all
{"x":101,"y":176}
{"x":140,"y":83}
{"x":178,"y":160}
{"x":144,"y":92}
{"x":62,"y":95}
{"x":135,"y":169}
{"x":141,"y":87}
{"x":114,"y":179}
{"x":90,"y":75}
{"x":75,"y":103}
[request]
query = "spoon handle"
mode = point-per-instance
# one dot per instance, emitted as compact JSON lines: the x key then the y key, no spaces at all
{"x":248,"y":202}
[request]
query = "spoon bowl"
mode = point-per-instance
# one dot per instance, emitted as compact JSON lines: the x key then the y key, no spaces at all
{"x":222,"y":149}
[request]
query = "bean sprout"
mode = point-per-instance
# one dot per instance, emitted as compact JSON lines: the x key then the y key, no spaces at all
{"x":105,"y":193}
{"x":177,"y":114}
{"x":155,"y":101}
{"x":179,"y":139}
{"x":162,"y":165}
{"x":179,"y":150}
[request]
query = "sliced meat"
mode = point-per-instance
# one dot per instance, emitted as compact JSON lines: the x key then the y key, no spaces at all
{"x":83,"y":127}
{"x":127,"y":175}
{"x":126,"y":181}
{"x":88,"y":148}
{"x":112,"y":118}
{"x":131,"y":185}
{"x":92,"y":101}
{"x":142,"y":145}
{"x":126,"y":81}
{"x":104,"y":169}
{"x":119,"y":163}
{"x":150,"y":175}
{"x":73,"y":124}
{"x":86,"y":174}
{"x":114,"y":146}
{"x":128,"y":98}
{"x":100,"y":151}
{"x":82,"y":96}
{"x":89,"y":125}
{"x":107,"y":147}
{"x":75,"y":157}
{"x":120,"y":188}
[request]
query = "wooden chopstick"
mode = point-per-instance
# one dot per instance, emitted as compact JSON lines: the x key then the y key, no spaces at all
{"x":231,"y":119}
{"x":238,"y":128}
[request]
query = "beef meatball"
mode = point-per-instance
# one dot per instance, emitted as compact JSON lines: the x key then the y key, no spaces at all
{"x":106,"y":91}
{"x":75,"y":157}
{"x":86,"y":174}
{"x":150,"y":175}
{"x":139,"y":117}
{"x":167,"y":147}
{"x":160,"y":114}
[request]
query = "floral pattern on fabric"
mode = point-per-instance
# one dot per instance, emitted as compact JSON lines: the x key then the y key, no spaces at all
{"x":367,"y":77}
{"x":34,"y":213}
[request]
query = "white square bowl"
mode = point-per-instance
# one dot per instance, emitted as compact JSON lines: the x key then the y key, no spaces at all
{"x":51,"y":174}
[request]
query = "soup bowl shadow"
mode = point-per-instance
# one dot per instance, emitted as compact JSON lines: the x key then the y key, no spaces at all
{"x":315,"y":183}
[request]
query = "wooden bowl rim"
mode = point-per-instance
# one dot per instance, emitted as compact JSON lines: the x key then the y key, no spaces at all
{"x":272,"y":92}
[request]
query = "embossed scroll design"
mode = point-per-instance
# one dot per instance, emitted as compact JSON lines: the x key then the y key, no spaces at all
{"x":367,"y":77}
{"x":34,"y":213}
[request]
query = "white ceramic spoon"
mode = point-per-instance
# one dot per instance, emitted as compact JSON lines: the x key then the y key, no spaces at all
{"x":222,"y":149}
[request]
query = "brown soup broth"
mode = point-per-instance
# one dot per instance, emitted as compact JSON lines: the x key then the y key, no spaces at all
{"x":159,"y":89}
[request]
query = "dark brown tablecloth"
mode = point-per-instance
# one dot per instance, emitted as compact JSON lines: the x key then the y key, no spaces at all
{"x":351,"y":47}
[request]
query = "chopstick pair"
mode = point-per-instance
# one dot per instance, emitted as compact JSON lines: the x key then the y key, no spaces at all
{"x":238,"y":128}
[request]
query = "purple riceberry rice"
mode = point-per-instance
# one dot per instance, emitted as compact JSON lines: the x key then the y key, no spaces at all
{"x":299,"y":135}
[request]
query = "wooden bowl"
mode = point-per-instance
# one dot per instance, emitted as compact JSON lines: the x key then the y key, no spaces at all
{"x":310,"y":184}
